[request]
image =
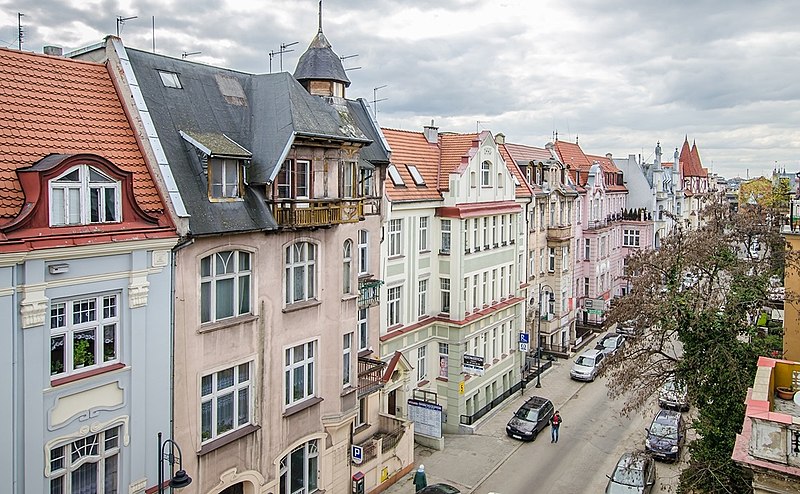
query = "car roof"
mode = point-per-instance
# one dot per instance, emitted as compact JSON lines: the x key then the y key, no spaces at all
{"x":667,"y":417}
{"x":591,"y":353}
{"x":632,"y":460}
{"x":535,"y":402}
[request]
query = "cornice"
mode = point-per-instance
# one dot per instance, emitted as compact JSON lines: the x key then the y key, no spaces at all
{"x":86,"y":251}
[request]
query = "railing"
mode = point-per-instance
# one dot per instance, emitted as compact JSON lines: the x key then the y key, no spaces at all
{"x":559,"y":232}
{"x":369,"y":293}
{"x":317,"y":212}
{"x":370,"y":372}
{"x":557,"y":349}
{"x":528,"y":376}
{"x":390,"y":432}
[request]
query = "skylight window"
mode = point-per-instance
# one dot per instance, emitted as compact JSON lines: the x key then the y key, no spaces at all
{"x":170,"y":79}
{"x":395,"y":176}
{"x":415,"y":175}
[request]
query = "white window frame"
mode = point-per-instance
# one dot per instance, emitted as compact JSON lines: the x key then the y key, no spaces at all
{"x":423,"y":233}
{"x":486,"y":173}
{"x":422,"y":371}
{"x":300,"y":257}
{"x":219,"y":269}
{"x":310,"y":465}
{"x":363,"y":328}
{"x":240,"y":387}
{"x":551,"y":259}
{"x":393,"y":305}
{"x":363,"y":252}
{"x":395,"y":237}
{"x":347,"y":267}
{"x":294,"y":180}
{"x":102,"y":449}
{"x":444,"y":286}
{"x":446,"y":226}
{"x":74,"y":321}
{"x":347,"y":360}
{"x":220,"y":184}
{"x":299,"y":358}
{"x":444,"y":356}
{"x":630,"y":238}
{"x":66,"y":193}
{"x":422,"y":298}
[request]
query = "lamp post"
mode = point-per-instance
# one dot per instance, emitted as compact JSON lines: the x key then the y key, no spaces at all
{"x":177,"y":480}
{"x":539,"y":334}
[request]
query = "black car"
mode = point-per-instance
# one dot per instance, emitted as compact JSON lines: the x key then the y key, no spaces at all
{"x":439,"y":489}
{"x":533,"y":416}
{"x":665,"y":435}
{"x":634,"y":473}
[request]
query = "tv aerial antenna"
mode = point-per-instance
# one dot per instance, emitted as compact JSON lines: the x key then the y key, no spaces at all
{"x":188,"y":54}
{"x":280,"y":53}
{"x":121,"y":22}
{"x":375,"y":100}
{"x":347,"y":57}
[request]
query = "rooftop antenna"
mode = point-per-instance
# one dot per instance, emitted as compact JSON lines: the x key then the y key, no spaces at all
{"x":375,"y":100}
{"x":349,"y":56}
{"x":477,"y":125}
{"x":188,"y":54}
{"x":121,"y":22}
{"x":154,"y":34}
{"x":19,"y":28}
{"x":280,"y":52}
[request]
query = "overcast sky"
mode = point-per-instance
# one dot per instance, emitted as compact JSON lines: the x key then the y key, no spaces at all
{"x":619,"y":75}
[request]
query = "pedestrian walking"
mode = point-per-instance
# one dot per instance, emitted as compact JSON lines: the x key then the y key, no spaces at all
{"x":419,"y":478}
{"x":555,"y":423}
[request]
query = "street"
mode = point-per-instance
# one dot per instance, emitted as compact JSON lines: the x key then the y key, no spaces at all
{"x":592,"y":438}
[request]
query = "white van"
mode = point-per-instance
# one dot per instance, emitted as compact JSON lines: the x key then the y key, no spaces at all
{"x":587,"y":365}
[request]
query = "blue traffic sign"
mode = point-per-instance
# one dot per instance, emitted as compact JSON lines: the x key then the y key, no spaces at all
{"x":524,"y":338}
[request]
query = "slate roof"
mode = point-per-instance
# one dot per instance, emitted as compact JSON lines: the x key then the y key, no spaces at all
{"x":52,"y":105}
{"x":319,"y":62}
{"x":261,"y":113}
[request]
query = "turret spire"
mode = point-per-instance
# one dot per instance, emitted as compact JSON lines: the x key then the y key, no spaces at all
{"x":320,"y":16}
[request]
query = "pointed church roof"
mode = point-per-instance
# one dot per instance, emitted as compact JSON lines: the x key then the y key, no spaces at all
{"x":319,"y":62}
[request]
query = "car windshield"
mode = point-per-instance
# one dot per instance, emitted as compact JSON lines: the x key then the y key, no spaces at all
{"x":528,"y":414}
{"x":610,"y":343}
{"x":628,"y":474}
{"x":667,"y":431}
{"x":584,"y":360}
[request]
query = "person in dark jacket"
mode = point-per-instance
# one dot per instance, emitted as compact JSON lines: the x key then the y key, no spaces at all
{"x":555,"y":423}
{"x":419,"y":478}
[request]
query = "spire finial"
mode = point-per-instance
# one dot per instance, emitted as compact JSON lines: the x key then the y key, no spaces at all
{"x":320,"y":15}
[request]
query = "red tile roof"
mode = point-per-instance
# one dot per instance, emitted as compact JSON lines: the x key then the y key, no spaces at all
{"x":53,"y":105}
{"x":573,"y":156}
{"x":435,"y":162}
{"x":689,"y":160}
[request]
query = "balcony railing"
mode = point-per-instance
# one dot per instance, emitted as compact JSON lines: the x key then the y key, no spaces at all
{"x":370,"y":372}
{"x":369,"y":293}
{"x":390,"y":431}
{"x":559,"y":232}
{"x":317,"y":212}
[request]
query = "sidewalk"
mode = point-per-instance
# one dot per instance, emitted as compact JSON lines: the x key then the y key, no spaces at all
{"x":467,"y":460}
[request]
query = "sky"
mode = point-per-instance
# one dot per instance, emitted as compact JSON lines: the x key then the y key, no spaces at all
{"x":617,"y":75}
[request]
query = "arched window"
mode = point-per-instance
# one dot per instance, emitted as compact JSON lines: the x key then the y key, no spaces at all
{"x":486,"y":173}
{"x":301,"y":272}
{"x":84,"y":195}
{"x":298,"y":469}
{"x":347,"y":266}
{"x":225,"y":285}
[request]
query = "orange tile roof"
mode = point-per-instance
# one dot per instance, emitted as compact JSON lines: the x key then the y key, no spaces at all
{"x":55,"y":105}
{"x":434,"y":161}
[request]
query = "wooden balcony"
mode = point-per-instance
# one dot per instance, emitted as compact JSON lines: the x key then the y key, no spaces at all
{"x":299,"y":213}
{"x":559,"y":233}
{"x":370,"y":372}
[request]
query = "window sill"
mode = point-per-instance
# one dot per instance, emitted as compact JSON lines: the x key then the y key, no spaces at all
{"x":348,"y":390}
{"x":301,"y":305}
{"x":301,"y":406}
{"x":424,"y":382}
{"x":396,"y":256}
{"x":349,"y":296}
{"x":86,"y":374}
{"x":444,"y":252}
{"x":442,"y":379}
{"x":226,"y":323}
{"x":426,"y":251}
{"x":360,"y":428}
{"x":227,"y":439}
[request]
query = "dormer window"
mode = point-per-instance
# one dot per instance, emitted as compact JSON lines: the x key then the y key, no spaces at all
{"x":84,"y":195}
{"x":224,"y":178}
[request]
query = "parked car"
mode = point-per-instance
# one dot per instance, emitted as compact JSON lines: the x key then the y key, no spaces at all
{"x":533,"y":416}
{"x":631,"y":329}
{"x":439,"y":489}
{"x":610,"y":343}
{"x":635,"y":473}
{"x":672,"y":395}
{"x":665,"y":435}
{"x":587,"y":365}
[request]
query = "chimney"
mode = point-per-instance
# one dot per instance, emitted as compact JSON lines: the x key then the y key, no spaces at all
{"x":500,"y":139}
{"x":608,"y":156}
{"x":55,"y":51}
{"x":431,"y":133}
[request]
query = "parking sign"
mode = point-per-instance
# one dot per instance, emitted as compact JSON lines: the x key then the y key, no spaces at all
{"x":524,"y":342}
{"x":357,"y":452}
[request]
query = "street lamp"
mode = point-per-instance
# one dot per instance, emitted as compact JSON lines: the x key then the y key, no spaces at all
{"x":551,"y":298}
{"x":177,"y":480}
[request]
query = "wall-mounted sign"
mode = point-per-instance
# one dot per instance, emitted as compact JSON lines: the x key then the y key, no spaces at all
{"x":473,"y":364}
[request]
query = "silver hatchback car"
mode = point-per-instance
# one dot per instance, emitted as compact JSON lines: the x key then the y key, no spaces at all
{"x":587,"y":365}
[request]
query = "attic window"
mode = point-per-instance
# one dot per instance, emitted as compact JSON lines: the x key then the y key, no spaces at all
{"x":84,"y":195}
{"x":415,"y":175}
{"x":224,"y":178}
{"x":170,"y":79}
{"x":395,"y":176}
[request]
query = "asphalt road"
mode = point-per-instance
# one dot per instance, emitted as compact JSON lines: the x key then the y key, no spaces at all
{"x":593,"y":436}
